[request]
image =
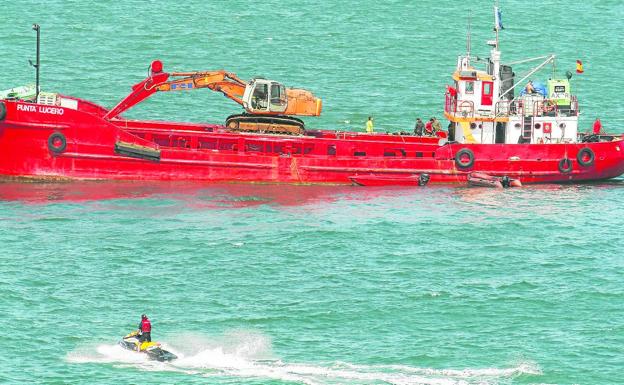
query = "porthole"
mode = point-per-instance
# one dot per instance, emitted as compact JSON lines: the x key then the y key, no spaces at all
{"x":538,"y":126}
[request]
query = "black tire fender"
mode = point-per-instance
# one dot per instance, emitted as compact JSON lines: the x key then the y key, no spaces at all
{"x":57,"y":142}
{"x":460,"y":154}
{"x":3,"y":111}
{"x":565,"y":165}
{"x":588,"y":153}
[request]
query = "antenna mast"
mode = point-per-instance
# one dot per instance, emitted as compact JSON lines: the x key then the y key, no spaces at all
{"x":468,"y":37}
{"x":497,"y":21}
{"x":36,"y":28}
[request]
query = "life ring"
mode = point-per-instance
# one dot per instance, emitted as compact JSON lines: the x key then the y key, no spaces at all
{"x":464,"y":152}
{"x":565,"y":165}
{"x":57,"y":142}
{"x":586,"y":157}
{"x":2,"y":111}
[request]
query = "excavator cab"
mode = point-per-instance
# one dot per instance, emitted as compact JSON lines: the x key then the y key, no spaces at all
{"x":265,"y":96}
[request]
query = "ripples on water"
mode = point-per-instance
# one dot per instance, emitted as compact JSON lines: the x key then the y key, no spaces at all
{"x":314,"y":284}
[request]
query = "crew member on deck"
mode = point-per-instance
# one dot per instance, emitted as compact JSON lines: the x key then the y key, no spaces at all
{"x":145,"y":330}
{"x":597,"y":129}
{"x":429,"y":127}
{"x":369,"y":125}
{"x":419,"y":128}
{"x":529,"y":89}
{"x":435,"y":125}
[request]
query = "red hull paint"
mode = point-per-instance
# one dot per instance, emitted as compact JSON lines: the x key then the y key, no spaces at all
{"x":211,"y":153}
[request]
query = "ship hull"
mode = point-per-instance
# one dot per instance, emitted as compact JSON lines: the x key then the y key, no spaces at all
{"x":78,"y":143}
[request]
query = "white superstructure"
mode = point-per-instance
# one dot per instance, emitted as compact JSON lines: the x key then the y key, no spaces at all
{"x":488,"y":105}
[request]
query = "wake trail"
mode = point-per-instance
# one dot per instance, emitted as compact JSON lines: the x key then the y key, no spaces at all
{"x":245,"y":354}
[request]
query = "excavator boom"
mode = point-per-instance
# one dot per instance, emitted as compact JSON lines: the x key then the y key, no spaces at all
{"x":267,"y":103}
{"x":225,"y":82}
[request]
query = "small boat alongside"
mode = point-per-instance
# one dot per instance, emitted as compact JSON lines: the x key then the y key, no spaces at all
{"x":478,"y":179}
{"x":390,"y":180}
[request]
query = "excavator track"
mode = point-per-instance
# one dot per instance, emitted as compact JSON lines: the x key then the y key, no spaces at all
{"x":265,"y":124}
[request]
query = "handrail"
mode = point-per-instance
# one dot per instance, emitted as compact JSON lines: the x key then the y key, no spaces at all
{"x":506,"y":108}
{"x":546,"y":107}
{"x":464,"y":108}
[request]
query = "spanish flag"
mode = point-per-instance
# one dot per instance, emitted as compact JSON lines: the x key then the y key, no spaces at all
{"x":579,"y":67}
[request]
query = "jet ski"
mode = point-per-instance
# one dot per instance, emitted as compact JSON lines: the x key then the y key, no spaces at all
{"x":153,"y":350}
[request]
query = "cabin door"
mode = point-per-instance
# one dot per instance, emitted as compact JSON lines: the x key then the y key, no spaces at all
{"x":487,"y":90}
{"x":500,"y":133}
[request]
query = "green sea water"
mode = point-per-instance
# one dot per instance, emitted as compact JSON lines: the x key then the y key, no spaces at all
{"x":268,"y":284}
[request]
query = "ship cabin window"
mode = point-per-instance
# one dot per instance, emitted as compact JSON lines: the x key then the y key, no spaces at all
{"x":207,"y":144}
{"x":227,"y":145}
{"x":470,"y":87}
{"x":419,"y":154}
{"x":487,"y":88}
{"x":394,"y":152}
{"x":278,"y":95}
{"x":163,"y":141}
{"x":302,"y":149}
{"x":331,"y":149}
{"x":182,"y":142}
{"x":259,"y":99}
{"x":359,"y":153}
{"x":254,"y":146}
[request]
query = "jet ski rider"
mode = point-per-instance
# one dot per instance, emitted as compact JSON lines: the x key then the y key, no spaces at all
{"x":145,"y":329}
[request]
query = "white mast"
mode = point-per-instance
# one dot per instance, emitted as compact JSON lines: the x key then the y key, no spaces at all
{"x":496,"y":22}
{"x":496,"y":55}
{"x":463,"y":62}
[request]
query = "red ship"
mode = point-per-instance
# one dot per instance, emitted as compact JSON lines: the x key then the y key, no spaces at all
{"x":532,"y":137}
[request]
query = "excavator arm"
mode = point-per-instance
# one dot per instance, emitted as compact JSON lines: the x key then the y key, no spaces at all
{"x":221,"y":81}
{"x":297,"y":101}
{"x":267,"y":103}
{"x":227,"y":83}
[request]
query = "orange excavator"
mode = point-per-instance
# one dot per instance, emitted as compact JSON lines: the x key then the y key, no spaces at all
{"x":268,"y":104}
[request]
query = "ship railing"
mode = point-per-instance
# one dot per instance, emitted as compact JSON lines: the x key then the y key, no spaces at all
{"x":450,"y":104}
{"x":552,"y":107}
{"x":546,"y":107}
{"x":505,"y":108}
{"x":464,"y":108}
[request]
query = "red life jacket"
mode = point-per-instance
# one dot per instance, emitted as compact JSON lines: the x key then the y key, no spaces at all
{"x":146,"y":326}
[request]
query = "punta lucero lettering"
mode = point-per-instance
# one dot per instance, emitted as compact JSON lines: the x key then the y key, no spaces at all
{"x":41,"y":109}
